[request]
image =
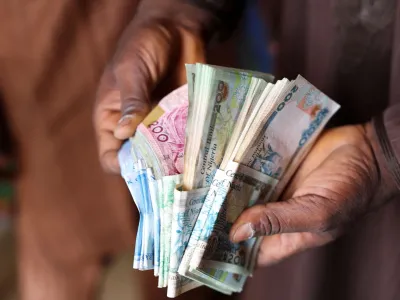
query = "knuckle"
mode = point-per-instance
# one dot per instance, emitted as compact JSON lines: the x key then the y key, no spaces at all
{"x":320,"y":210}
{"x":269,"y":223}
{"x":142,"y":47}
{"x":134,"y":106}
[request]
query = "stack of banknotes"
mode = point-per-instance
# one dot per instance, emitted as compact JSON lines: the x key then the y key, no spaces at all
{"x":227,"y":140}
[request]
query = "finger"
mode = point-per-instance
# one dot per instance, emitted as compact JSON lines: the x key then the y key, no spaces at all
{"x":300,"y":214}
{"x":127,"y":124}
{"x":108,"y":145}
{"x":276,"y":248}
{"x":141,"y":66}
{"x":105,"y":118}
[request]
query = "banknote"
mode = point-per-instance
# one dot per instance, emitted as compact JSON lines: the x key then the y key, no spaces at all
{"x":160,"y":139}
{"x":165,"y":137}
{"x":156,"y":150}
{"x":291,"y":128}
{"x":160,"y":200}
{"x":219,"y":94}
{"x":147,"y":255}
{"x":258,"y":90}
{"x":201,"y":228}
{"x":224,"y":96}
{"x":226,"y":141}
{"x":169,"y":184}
{"x":165,"y":140}
{"x":233,"y":186}
{"x":154,"y":194}
{"x":222,"y":281}
{"x":131,"y":178}
{"x":126,"y":162}
{"x":212,"y":277}
{"x":191,"y":80}
{"x":186,"y":208}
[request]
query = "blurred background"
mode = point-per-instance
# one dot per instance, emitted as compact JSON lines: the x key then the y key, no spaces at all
{"x":249,"y":48}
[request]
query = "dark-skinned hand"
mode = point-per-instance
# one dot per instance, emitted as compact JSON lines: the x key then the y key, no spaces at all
{"x":334,"y":186}
{"x":149,"y":63}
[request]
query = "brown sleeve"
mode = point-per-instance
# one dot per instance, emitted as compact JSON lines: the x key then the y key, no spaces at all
{"x":213,"y":19}
{"x":385,"y":139}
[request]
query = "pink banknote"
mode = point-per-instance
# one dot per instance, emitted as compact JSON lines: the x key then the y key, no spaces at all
{"x":166,"y":135}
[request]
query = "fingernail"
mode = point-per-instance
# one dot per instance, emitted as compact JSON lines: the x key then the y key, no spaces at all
{"x":125,"y":120}
{"x":244,"y":232}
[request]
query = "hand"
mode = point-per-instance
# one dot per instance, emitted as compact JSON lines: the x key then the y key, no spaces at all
{"x":149,"y":62}
{"x":334,"y":186}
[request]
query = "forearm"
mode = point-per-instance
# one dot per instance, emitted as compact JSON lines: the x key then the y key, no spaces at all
{"x":210,"y":19}
{"x":384,"y":135}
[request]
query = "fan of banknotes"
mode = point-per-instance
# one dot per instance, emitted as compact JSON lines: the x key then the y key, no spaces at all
{"x":227,"y":140}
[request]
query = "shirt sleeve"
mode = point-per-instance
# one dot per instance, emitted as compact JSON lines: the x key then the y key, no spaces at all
{"x":213,"y":19}
{"x":385,"y":141}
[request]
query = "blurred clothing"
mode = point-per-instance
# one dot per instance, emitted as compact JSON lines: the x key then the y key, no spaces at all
{"x":71,"y":216}
{"x":350,"y":49}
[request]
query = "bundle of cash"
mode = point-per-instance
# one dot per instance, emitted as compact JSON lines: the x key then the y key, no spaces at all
{"x":227,"y":140}
{"x":151,"y":163}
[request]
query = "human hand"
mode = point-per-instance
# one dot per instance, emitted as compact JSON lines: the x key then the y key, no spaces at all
{"x":334,"y":186}
{"x":149,"y":63}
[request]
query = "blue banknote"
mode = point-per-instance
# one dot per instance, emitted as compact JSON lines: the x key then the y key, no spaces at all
{"x":131,"y":178}
{"x":154,"y":195}
{"x":147,"y":233}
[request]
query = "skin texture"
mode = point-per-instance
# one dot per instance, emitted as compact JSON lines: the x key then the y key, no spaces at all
{"x":137,"y":78}
{"x":334,"y":186}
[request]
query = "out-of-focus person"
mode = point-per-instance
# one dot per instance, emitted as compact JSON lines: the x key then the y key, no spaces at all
{"x":71,"y":218}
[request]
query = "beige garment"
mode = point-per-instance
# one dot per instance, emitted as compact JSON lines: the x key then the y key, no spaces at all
{"x":71,"y":215}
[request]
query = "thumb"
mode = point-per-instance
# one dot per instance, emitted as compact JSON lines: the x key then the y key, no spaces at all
{"x":139,"y":68}
{"x":309,"y":213}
